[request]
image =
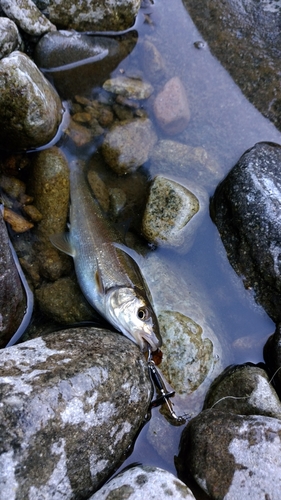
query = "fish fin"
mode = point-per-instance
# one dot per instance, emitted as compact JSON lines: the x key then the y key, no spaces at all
{"x":62,"y":242}
{"x":98,"y":279}
{"x":129,"y":251}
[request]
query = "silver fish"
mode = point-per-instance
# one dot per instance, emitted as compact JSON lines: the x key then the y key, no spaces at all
{"x":108,"y":276}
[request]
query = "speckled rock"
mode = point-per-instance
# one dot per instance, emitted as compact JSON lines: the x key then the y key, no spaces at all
{"x":232,"y":456}
{"x":49,"y":185}
{"x":245,"y":390}
{"x":10,"y":38}
{"x":131,"y":88}
{"x":246,"y":208}
{"x":171,"y":107}
{"x":26,"y":94}
{"x":174,"y":158}
{"x":71,"y":404}
{"x":61,"y":48}
{"x":27,"y":16}
{"x":12,"y":299}
{"x":168,"y":212}
{"x":128,"y":145}
{"x":64,"y":302}
{"x":93,"y":15}
{"x":141,"y":480}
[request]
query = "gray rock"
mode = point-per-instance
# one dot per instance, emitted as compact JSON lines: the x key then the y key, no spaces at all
{"x":176,"y":158}
{"x":71,"y":405}
{"x":247,"y":212}
{"x":49,"y":185}
{"x":171,"y":107}
{"x":245,"y":390}
{"x":152,"y":62}
{"x":26,"y":94}
{"x":62,"y":48}
{"x":12,"y":299}
{"x":10,"y":38}
{"x":27,"y":16}
{"x":92,"y":15}
{"x":131,"y":88}
{"x":144,"y":480}
{"x":232,"y":456}
{"x":128,"y":145}
{"x":168,"y":211}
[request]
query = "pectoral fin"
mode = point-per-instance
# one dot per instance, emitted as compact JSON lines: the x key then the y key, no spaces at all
{"x":62,"y":242}
{"x":129,"y":251}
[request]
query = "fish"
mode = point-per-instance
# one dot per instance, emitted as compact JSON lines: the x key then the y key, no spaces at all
{"x":108,"y":276}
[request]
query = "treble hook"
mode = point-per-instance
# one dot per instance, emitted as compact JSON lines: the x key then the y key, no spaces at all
{"x":165,"y":395}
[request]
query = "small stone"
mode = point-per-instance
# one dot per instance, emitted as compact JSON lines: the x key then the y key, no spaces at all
{"x":79,"y":134}
{"x":129,"y":87}
{"x":169,"y":208}
{"x":152,"y":62}
{"x":171,"y":107}
{"x":18,"y":223}
{"x":32,"y":212}
{"x":81,"y":117}
{"x":128,"y":145}
{"x":14,"y":187}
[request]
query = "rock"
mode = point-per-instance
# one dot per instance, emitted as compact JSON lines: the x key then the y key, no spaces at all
{"x":246,"y":208}
{"x":152,"y":62}
{"x":61,"y":48}
{"x":71,"y":405}
{"x":12,"y":299}
{"x":142,"y":480}
{"x":127,"y":145}
{"x":169,"y":209}
{"x":10,"y":38}
{"x":92,"y":15}
{"x":49,"y":185}
{"x":80,"y":135}
{"x":272,"y":357}
{"x":27,"y":16}
{"x":131,"y":88}
{"x":245,"y":390}
{"x":171,"y":107}
{"x":64,"y":302}
{"x":26,"y":94}
{"x":232,"y":456}
{"x":175,"y":158}
{"x":18,"y":223}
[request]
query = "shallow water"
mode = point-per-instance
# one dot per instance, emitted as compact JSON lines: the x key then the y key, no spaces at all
{"x":225,"y":124}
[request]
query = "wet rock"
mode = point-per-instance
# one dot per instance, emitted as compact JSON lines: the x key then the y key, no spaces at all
{"x":92,"y":15}
{"x":128,"y":145}
{"x":152,"y":62}
{"x":26,"y":94}
{"x":27,"y":16}
{"x":18,"y":223}
{"x":117,"y":200}
{"x":12,"y":299}
{"x":61,"y":48}
{"x":142,"y":480}
{"x":171,"y":107}
{"x":79,"y":134}
{"x":129,"y":87}
{"x":71,"y":404}
{"x":244,"y":390}
{"x":10,"y":38}
{"x":169,"y":209}
{"x":247,"y":211}
{"x":64,"y":302}
{"x":49,"y":185}
{"x":174,"y":158}
{"x":232,"y":456}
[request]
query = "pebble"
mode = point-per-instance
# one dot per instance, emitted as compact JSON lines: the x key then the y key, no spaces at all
{"x":171,"y":108}
{"x":129,"y":87}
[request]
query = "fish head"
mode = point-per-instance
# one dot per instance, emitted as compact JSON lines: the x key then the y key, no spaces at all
{"x":131,"y":313}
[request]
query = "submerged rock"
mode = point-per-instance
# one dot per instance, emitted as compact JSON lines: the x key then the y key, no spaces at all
{"x":168,"y":211}
{"x":142,"y":480}
{"x":131,"y":88}
{"x":171,"y":107}
{"x":232,"y":456}
{"x":128,"y":145}
{"x":247,"y":211}
{"x":92,"y":15}
{"x":71,"y":405}
{"x":26,"y":94}
{"x":27,"y":16}
{"x":12,"y":298}
{"x":10,"y":38}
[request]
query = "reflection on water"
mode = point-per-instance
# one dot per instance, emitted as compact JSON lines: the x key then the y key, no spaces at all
{"x":225,"y":124}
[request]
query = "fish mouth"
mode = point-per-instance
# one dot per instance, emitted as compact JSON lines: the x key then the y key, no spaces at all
{"x":149,"y":340}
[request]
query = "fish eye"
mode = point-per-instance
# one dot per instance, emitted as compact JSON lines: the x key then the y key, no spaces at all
{"x":142,"y":313}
